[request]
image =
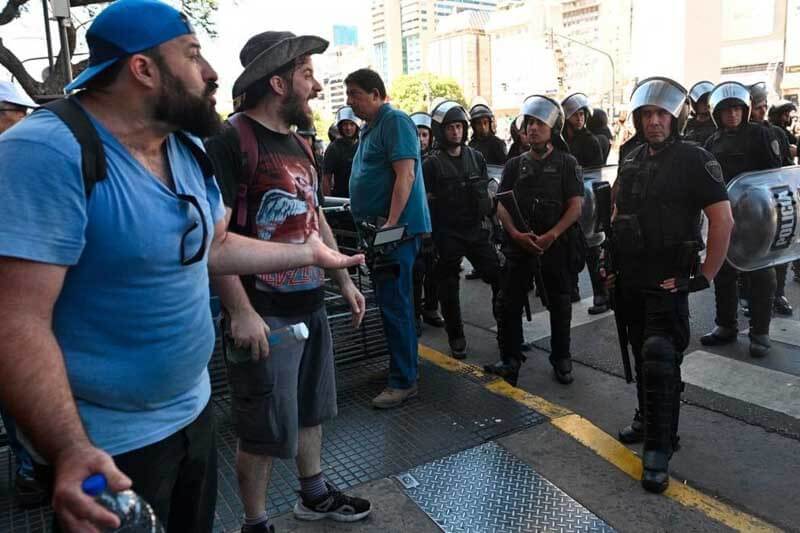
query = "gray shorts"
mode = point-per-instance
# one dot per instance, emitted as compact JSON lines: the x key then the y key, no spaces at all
{"x":294,"y":387}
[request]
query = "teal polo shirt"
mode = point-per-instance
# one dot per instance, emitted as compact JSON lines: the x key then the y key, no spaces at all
{"x":392,"y":136}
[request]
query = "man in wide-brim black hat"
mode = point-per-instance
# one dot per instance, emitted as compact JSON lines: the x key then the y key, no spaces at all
{"x":282,"y":391}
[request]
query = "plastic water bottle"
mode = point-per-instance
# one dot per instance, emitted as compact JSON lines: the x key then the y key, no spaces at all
{"x":135,"y":514}
{"x":291,"y":333}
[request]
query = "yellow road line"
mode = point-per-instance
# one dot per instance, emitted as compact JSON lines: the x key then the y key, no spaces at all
{"x":605,"y":446}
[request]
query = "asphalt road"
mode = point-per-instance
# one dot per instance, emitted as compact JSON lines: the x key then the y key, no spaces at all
{"x":740,"y":425}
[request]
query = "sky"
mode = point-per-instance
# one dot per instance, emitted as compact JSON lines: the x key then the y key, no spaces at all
{"x":236,"y":21}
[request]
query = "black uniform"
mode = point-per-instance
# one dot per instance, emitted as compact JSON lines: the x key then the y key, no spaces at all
{"x":659,"y":201}
{"x":605,"y":144}
{"x":515,"y":151}
{"x":628,"y":146}
{"x":338,"y":162}
{"x":542,"y":190}
{"x":749,"y":147}
{"x":459,"y":203}
{"x":699,"y":132}
{"x":585,"y":147}
{"x":491,"y":147}
{"x":424,"y":270}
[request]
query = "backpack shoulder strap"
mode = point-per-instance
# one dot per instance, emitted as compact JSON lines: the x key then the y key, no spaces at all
{"x":247,"y":144}
{"x":306,"y":148}
{"x":93,"y":156}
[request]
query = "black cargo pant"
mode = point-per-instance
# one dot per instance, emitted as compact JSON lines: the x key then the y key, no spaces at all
{"x":517,"y":280}
{"x":424,"y":269}
{"x":452,"y":247}
{"x":658,"y":331}
{"x":761,"y":286}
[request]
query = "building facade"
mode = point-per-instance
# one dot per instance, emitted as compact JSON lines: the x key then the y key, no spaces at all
{"x":403,"y":29}
{"x":461,"y":49}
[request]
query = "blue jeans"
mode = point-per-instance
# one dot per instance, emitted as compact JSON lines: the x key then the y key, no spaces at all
{"x":23,"y":458}
{"x":394,"y":295}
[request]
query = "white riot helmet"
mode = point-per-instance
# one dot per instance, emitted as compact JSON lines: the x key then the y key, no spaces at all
{"x":699,"y":90}
{"x":346,"y":113}
{"x":421,"y":119}
{"x":729,"y":94}
{"x":548,"y":111}
{"x":662,"y":93}
{"x":445,"y":113}
{"x":574,"y":103}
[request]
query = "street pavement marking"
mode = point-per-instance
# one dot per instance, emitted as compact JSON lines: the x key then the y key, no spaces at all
{"x":772,"y":389}
{"x":783,"y":330}
{"x":539,"y":327}
{"x":605,"y":446}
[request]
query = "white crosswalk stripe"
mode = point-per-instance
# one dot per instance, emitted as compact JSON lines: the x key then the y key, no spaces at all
{"x":539,"y":327}
{"x":771,"y":389}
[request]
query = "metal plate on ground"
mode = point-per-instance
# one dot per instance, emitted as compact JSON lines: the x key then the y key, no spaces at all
{"x":486,"y":488}
{"x":361,"y":444}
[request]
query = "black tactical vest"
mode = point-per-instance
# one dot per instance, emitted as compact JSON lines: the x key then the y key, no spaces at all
{"x":539,"y":190}
{"x":462,"y":197}
{"x":730,"y":149}
{"x":699,"y":132}
{"x":651,"y":218}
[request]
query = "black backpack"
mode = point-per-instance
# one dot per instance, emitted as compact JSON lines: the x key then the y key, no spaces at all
{"x":93,"y":156}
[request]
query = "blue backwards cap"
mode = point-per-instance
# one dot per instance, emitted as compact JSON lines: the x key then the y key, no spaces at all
{"x":127,"y":27}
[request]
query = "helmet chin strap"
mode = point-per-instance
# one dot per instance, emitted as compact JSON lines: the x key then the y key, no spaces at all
{"x":657,"y":147}
{"x":540,"y":149}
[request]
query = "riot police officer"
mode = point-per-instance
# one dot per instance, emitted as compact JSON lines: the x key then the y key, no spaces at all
{"x":427,"y":308}
{"x":741,"y":146}
{"x":700,"y":126}
{"x":423,"y":122}
{"x":338,"y":158}
{"x":484,"y":140}
{"x":758,"y":113}
{"x":583,"y":145}
{"x":664,"y":183}
{"x":457,"y":181}
{"x":542,"y":234}
{"x":780,"y":115}
{"x":519,"y":139}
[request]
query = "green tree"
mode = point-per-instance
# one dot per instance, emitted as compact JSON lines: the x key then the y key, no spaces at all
{"x":199,"y":11}
{"x":415,"y":92}
{"x":321,"y":124}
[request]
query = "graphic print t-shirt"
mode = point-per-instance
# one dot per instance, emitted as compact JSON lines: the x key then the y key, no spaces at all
{"x":282,"y":207}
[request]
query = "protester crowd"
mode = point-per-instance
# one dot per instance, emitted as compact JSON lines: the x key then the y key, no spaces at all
{"x":126,"y":202}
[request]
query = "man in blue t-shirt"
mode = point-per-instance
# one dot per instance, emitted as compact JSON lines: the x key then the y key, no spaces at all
{"x":386,"y":185}
{"x":105,"y":327}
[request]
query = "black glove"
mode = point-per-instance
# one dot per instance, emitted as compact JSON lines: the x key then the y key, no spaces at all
{"x":698,"y":283}
{"x":693,"y":284}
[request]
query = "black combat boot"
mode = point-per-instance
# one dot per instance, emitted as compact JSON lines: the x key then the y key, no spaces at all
{"x":782,"y":306}
{"x":562,"y":370}
{"x":633,"y":433}
{"x":458,"y":346}
{"x":506,"y":368}
{"x":759,"y":345}
{"x":660,"y":390}
{"x":719,"y":335}
{"x":432,"y":318}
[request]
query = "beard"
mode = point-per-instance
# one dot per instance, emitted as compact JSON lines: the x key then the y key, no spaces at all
{"x":178,"y":107}
{"x":293,"y":113}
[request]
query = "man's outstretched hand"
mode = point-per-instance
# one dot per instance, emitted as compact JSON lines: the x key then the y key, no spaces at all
{"x":325,"y":257}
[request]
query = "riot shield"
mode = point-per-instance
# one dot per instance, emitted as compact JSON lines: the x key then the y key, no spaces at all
{"x":588,"y":219}
{"x":764,"y":205}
